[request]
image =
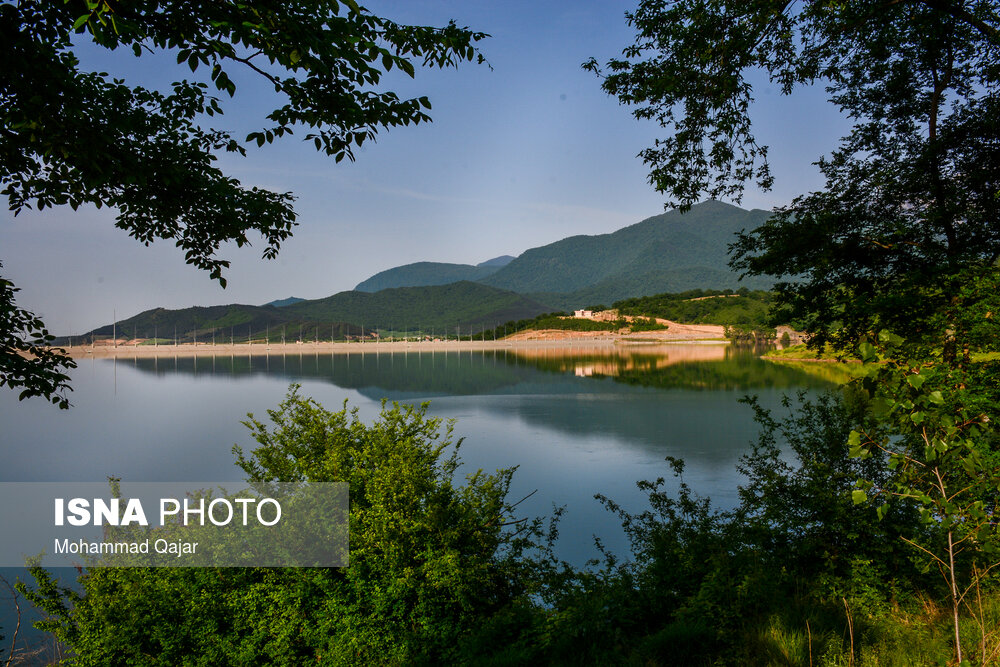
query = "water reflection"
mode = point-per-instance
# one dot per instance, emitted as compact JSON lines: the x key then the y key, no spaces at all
{"x":401,"y":376}
{"x":650,"y":401}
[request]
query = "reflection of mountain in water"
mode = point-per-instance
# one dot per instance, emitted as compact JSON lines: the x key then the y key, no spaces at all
{"x":597,"y":405}
{"x":668,"y":400}
{"x":709,"y":429}
{"x":510,"y":372}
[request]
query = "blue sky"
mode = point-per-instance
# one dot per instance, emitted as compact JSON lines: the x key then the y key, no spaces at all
{"x":518,"y":156}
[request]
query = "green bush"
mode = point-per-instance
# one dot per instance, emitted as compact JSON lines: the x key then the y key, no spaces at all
{"x":431,"y":562}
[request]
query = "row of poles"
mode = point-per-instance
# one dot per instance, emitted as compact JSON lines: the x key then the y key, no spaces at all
{"x":333,"y":329}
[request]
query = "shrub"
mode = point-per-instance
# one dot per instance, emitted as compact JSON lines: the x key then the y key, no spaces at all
{"x":431,"y":560}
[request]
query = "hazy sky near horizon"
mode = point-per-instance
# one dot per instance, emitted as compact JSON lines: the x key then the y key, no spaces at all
{"x":520,"y":155}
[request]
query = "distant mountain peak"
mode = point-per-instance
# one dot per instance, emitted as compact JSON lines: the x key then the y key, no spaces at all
{"x":422,"y":274}
{"x":281,"y":303}
{"x":502,"y":260}
{"x":669,"y":252}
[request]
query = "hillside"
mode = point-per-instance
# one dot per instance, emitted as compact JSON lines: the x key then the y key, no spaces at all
{"x":281,"y":303}
{"x":653,"y":282}
{"x":671,"y":252}
{"x":746,"y":308}
{"x":238,"y":321}
{"x":668,"y":253}
{"x":502,"y":260}
{"x":434,"y":307}
{"x":429,"y":273}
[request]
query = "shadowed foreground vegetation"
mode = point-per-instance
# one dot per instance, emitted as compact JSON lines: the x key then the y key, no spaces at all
{"x":446,"y":571}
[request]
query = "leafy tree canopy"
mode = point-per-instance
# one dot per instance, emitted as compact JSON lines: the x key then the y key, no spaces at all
{"x":26,"y":362}
{"x":71,"y":136}
{"x":905,"y":234}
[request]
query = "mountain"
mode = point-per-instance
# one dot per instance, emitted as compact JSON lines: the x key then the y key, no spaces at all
{"x":673,"y":281}
{"x":501,"y":261}
{"x":431,"y":273}
{"x":236,"y":321}
{"x":672,"y":252}
{"x":281,"y":303}
{"x":467,"y":305}
{"x":425,"y":273}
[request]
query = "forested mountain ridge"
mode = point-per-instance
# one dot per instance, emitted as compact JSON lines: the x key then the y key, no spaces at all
{"x":420,"y":274}
{"x":460,"y":304}
{"x":464,"y":305}
{"x":670,"y":252}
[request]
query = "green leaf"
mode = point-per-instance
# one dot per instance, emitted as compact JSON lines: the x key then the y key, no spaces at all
{"x":859,"y":496}
{"x":889,"y":338}
{"x":936,"y":397}
{"x":915,"y":381}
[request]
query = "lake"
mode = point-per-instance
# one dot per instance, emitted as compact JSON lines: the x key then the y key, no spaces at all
{"x":577,"y":421}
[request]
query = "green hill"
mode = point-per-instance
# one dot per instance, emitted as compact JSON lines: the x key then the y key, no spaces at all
{"x":744,"y":308}
{"x":671,"y":252}
{"x":236,"y":321}
{"x":468,"y":305}
{"x":281,"y":303}
{"x":465,"y":304}
{"x":498,"y":262}
{"x":612,"y":289}
{"x":425,"y":273}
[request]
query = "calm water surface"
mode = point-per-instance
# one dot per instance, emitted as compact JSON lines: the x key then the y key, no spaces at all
{"x":576,"y":422}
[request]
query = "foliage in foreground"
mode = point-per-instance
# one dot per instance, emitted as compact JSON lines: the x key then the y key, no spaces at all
{"x":431,"y":560}
{"x":26,"y":360}
{"x":442,"y":573}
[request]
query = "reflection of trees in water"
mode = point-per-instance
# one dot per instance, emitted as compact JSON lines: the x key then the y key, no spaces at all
{"x":679,"y":367}
{"x":424,"y":373}
{"x":676,"y":400}
{"x":506,"y":371}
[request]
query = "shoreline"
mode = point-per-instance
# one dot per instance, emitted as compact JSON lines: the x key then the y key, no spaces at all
{"x":248,"y":349}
